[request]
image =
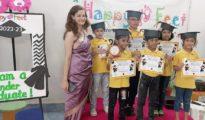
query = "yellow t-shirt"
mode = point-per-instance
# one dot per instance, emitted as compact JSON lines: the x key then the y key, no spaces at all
{"x":135,"y":34}
{"x":155,"y":53}
{"x":168,"y":68}
{"x":180,"y":80}
{"x":99,"y":64}
{"x":124,"y":81}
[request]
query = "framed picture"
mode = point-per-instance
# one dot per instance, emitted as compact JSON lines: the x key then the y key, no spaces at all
{"x":123,"y":68}
{"x":137,"y":44}
{"x":194,"y":68}
{"x":151,"y":63}
{"x":170,"y":48}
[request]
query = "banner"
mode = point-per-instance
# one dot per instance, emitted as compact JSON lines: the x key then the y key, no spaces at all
{"x":113,"y":12}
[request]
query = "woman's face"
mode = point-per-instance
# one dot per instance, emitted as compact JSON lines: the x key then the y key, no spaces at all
{"x":166,"y":35}
{"x":80,"y":17}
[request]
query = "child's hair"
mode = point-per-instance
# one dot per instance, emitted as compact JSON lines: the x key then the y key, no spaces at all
{"x":148,"y":38}
{"x":121,"y":36}
{"x":172,"y":35}
{"x":195,"y":42}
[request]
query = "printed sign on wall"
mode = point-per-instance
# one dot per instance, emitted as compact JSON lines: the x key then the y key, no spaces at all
{"x":18,"y":85}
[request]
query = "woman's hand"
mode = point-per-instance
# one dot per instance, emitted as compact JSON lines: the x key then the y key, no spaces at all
{"x":65,"y":85}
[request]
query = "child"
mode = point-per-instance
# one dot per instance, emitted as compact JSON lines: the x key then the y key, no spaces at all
{"x":133,"y":19}
{"x":100,"y":47}
{"x":119,"y":85}
{"x":149,"y":79}
{"x":166,"y":34}
{"x":184,"y":85}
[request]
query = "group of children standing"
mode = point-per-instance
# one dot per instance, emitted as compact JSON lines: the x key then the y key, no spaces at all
{"x":149,"y":81}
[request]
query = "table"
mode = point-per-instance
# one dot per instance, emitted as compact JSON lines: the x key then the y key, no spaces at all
{"x":9,"y":109}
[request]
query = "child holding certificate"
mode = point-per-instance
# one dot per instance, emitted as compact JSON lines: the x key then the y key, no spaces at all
{"x":100,"y":48}
{"x":149,"y":79}
{"x":166,"y":34}
{"x":119,"y":85}
{"x":133,"y":19}
{"x":184,"y":85}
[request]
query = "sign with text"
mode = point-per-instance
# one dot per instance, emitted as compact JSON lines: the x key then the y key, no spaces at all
{"x":19,"y":85}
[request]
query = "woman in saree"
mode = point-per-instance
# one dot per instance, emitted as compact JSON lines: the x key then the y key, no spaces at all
{"x":77,"y":67}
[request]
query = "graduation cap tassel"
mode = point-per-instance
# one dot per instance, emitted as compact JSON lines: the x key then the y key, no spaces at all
{"x":155,"y":25}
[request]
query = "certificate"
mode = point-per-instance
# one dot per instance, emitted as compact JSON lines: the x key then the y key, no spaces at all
{"x":137,"y":44}
{"x":151,"y":63}
{"x":102,"y":47}
{"x":170,"y":48}
{"x":194,"y":68}
{"x":123,"y":68}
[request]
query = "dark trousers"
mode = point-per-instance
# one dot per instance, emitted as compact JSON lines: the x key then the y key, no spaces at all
{"x":163,"y":83}
{"x":183,"y":95}
{"x":151,"y":84}
{"x":132,"y":90}
{"x":113,"y":92}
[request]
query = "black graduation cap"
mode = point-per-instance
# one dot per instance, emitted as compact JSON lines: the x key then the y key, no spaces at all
{"x":136,"y":14}
{"x":167,"y":26}
{"x":150,"y":34}
{"x":121,"y":32}
{"x":98,"y":25}
{"x":188,"y":35}
{"x":11,"y":29}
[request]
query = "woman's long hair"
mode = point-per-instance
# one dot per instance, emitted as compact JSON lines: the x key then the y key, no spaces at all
{"x":71,"y":25}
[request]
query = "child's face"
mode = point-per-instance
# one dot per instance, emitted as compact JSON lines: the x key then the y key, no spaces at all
{"x":152,"y":43}
{"x":189,"y":43}
{"x":133,"y":22}
{"x":99,"y":33}
{"x":123,"y":42}
{"x":166,"y":35}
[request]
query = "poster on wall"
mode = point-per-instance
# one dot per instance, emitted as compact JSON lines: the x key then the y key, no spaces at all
{"x":28,"y":84}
